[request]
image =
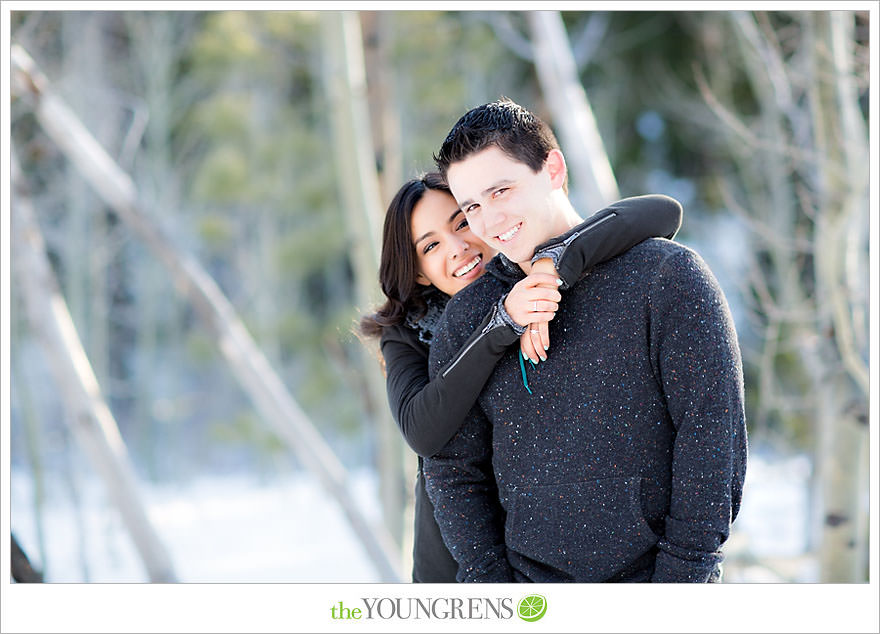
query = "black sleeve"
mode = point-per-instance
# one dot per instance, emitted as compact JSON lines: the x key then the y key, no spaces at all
{"x":610,"y":232}
{"x":430,"y":412}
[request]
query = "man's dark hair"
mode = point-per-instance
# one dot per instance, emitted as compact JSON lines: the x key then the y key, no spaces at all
{"x":504,"y":124}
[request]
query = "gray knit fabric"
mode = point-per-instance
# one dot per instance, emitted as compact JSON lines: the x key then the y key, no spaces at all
{"x":626,"y":463}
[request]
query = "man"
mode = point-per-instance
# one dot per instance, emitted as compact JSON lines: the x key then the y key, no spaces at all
{"x":622,"y":456}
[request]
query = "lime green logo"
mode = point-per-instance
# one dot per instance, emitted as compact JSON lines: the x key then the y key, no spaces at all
{"x":532,"y":607}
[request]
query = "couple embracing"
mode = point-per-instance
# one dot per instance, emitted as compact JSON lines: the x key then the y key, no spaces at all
{"x":573,"y":387}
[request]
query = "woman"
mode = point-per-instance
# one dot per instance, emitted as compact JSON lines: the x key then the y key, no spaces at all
{"x":428,"y":255}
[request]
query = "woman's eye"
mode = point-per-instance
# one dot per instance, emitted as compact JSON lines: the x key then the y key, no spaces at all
{"x":461,"y":225}
{"x":428,"y":247}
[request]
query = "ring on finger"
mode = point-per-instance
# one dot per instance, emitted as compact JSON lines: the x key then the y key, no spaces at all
{"x":535,"y":332}
{"x":536,"y":305}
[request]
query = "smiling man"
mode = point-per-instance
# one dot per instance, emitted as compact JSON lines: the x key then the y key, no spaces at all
{"x":496,"y":190}
{"x":622,"y":456}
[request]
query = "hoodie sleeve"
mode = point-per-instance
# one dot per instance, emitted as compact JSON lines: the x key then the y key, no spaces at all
{"x":610,"y":232}
{"x":696,"y":357}
{"x":429,"y":412}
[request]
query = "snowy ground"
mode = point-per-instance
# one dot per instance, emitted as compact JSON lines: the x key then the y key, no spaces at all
{"x":236,"y":529}
{"x":770,"y":537}
{"x":222,"y":529}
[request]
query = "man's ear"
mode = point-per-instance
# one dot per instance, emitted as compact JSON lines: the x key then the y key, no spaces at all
{"x":555,"y":164}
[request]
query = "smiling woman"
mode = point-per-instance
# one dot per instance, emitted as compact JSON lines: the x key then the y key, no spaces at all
{"x":429,"y":253}
{"x":450,"y":257}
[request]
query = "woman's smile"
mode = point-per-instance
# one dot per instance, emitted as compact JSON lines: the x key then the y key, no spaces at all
{"x":469,"y":267}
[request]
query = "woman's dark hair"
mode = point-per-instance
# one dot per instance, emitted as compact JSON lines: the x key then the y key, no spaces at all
{"x":398,"y":265}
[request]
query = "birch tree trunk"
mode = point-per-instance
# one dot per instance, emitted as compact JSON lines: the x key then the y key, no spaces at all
{"x":30,"y":421}
{"x":90,"y":419}
{"x":383,"y":100}
{"x":592,"y":181}
{"x":806,"y":186}
{"x":157,"y":43}
{"x":378,"y":27}
{"x":842,"y":204}
{"x":345,"y":78}
{"x":268,"y":393}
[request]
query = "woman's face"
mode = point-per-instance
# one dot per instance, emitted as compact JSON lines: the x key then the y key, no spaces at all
{"x":449,"y":256}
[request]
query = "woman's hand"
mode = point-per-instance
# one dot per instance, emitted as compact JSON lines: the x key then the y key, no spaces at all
{"x":532,"y":303}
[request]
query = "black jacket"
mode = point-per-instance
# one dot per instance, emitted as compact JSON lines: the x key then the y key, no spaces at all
{"x":429,"y":413}
{"x":626,"y":462}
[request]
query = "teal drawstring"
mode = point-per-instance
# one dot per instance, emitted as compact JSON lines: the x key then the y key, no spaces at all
{"x":522,"y":367}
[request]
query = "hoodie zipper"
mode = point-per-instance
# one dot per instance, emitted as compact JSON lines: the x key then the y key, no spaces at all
{"x":589,"y":227}
{"x":474,"y":342}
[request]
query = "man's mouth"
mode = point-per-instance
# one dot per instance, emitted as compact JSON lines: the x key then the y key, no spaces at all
{"x":508,"y":235}
{"x":467,"y":268}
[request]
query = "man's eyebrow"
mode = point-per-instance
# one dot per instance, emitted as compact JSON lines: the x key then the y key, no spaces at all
{"x":485,"y":192}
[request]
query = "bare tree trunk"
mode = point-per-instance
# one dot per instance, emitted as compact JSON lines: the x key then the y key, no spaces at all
{"x":806,"y":178}
{"x":247,"y":362}
{"x":383,"y":105}
{"x":22,"y":569}
{"x":32,"y":441}
{"x":88,"y":250}
{"x":73,"y":488}
{"x":347,"y":95}
{"x":842,"y":195}
{"x":91,"y":420}
{"x":157,"y":42}
{"x":592,"y":180}
{"x":385,"y":111}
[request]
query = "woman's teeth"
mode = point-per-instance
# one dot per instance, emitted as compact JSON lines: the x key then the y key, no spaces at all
{"x":467,"y":268}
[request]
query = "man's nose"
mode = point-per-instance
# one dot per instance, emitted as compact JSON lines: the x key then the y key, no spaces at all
{"x":494,"y":222}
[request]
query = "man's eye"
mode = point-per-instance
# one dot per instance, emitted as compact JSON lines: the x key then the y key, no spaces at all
{"x":471,"y":208}
{"x":498,"y":192}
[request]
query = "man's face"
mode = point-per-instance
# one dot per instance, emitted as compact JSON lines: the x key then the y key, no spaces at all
{"x":506,"y":203}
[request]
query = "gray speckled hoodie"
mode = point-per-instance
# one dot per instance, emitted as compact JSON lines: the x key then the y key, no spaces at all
{"x":626,"y":462}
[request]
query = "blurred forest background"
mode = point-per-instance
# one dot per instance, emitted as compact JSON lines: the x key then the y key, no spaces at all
{"x":196,"y":206}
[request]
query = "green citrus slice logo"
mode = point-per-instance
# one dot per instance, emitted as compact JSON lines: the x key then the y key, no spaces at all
{"x":532,"y":607}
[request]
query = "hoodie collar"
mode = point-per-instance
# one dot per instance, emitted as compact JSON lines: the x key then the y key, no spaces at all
{"x":505,"y":269}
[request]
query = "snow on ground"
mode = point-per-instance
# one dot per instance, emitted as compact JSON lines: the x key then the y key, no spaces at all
{"x":219,"y":529}
{"x":237,"y":529}
{"x":769,"y":539}
{"x":775,"y":504}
